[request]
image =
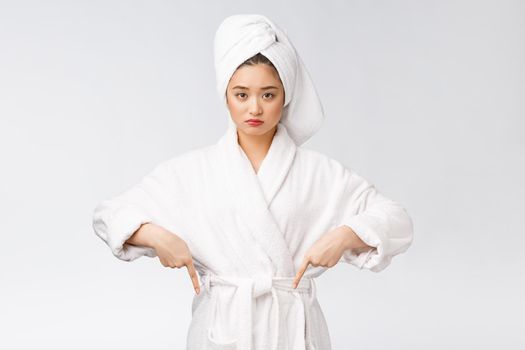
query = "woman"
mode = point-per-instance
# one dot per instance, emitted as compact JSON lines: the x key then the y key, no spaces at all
{"x":256,"y":215}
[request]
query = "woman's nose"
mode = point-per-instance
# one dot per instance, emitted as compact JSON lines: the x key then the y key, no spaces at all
{"x":255,"y":108}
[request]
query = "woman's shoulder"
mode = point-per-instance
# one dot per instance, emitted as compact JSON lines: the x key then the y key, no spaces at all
{"x":325,"y":169}
{"x":188,"y":160}
{"x":321,"y":161}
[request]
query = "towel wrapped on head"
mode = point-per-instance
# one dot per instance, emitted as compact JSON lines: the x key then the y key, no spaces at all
{"x":238,"y":38}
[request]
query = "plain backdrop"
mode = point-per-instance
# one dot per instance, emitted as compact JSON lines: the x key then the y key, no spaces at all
{"x":425,"y":99}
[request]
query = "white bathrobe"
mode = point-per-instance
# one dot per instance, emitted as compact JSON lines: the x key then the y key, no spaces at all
{"x":248,"y":233}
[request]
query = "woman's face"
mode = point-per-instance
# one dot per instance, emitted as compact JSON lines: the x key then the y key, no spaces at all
{"x":255,"y":92}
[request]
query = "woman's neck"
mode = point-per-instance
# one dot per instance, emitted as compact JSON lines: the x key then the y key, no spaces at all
{"x":256,"y":146}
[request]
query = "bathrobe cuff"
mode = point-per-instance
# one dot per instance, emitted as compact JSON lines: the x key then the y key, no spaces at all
{"x":125,"y":221}
{"x":359,"y":260}
{"x":374,"y":259}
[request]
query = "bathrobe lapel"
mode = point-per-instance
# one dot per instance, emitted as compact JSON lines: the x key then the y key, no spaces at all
{"x":252,"y":193}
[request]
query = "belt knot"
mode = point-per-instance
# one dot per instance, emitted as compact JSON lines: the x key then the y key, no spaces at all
{"x":262,"y":284}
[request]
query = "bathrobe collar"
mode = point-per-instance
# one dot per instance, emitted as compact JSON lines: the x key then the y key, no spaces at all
{"x":252,"y":193}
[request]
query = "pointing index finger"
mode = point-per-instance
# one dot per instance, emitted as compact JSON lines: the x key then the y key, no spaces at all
{"x":300,"y":273}
{"x":193,"y":276}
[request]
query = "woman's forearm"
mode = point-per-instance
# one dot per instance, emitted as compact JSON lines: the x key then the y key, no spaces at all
{"x":146,"y":235}
{"x":352,"y":241}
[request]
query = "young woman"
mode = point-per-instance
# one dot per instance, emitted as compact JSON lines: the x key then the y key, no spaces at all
{"x":255,"y":215}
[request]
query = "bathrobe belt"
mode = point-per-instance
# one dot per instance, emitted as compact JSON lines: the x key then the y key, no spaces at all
{"x":250,"y":288}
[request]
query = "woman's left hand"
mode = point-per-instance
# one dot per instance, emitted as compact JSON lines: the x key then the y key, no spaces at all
{"x":328,"y":249}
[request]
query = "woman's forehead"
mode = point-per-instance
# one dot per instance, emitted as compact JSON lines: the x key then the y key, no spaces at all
{"x":260,"y":76}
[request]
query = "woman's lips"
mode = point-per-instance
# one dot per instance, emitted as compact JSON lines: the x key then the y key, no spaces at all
{"x":254,"y":122}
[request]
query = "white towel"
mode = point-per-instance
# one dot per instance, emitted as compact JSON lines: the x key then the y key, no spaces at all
{"x":240,"y":37}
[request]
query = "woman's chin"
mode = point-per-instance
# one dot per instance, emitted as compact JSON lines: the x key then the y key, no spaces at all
{"x":254,"y":130}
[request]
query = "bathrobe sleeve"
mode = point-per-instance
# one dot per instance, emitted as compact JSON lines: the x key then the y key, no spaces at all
{"x":379,"y":221}
{"x":117,"y":218}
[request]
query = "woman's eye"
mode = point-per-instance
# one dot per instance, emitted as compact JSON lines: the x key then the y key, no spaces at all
{"x":269,"y":94}
{"x":241,"y":93}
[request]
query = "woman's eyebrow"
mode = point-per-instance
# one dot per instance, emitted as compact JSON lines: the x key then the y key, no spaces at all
{"x":263,"y":88}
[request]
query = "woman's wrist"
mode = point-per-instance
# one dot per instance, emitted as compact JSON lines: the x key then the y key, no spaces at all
{"x":352,"y":241}
{"x":148,"y":235}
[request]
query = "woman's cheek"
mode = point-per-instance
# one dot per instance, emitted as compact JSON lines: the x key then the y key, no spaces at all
{"x":276,"y":112}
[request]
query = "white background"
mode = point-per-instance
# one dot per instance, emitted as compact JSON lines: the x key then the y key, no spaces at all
{"x":423,"y":98}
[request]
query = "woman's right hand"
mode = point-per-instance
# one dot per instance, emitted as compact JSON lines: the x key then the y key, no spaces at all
{"x":171,"y":250}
